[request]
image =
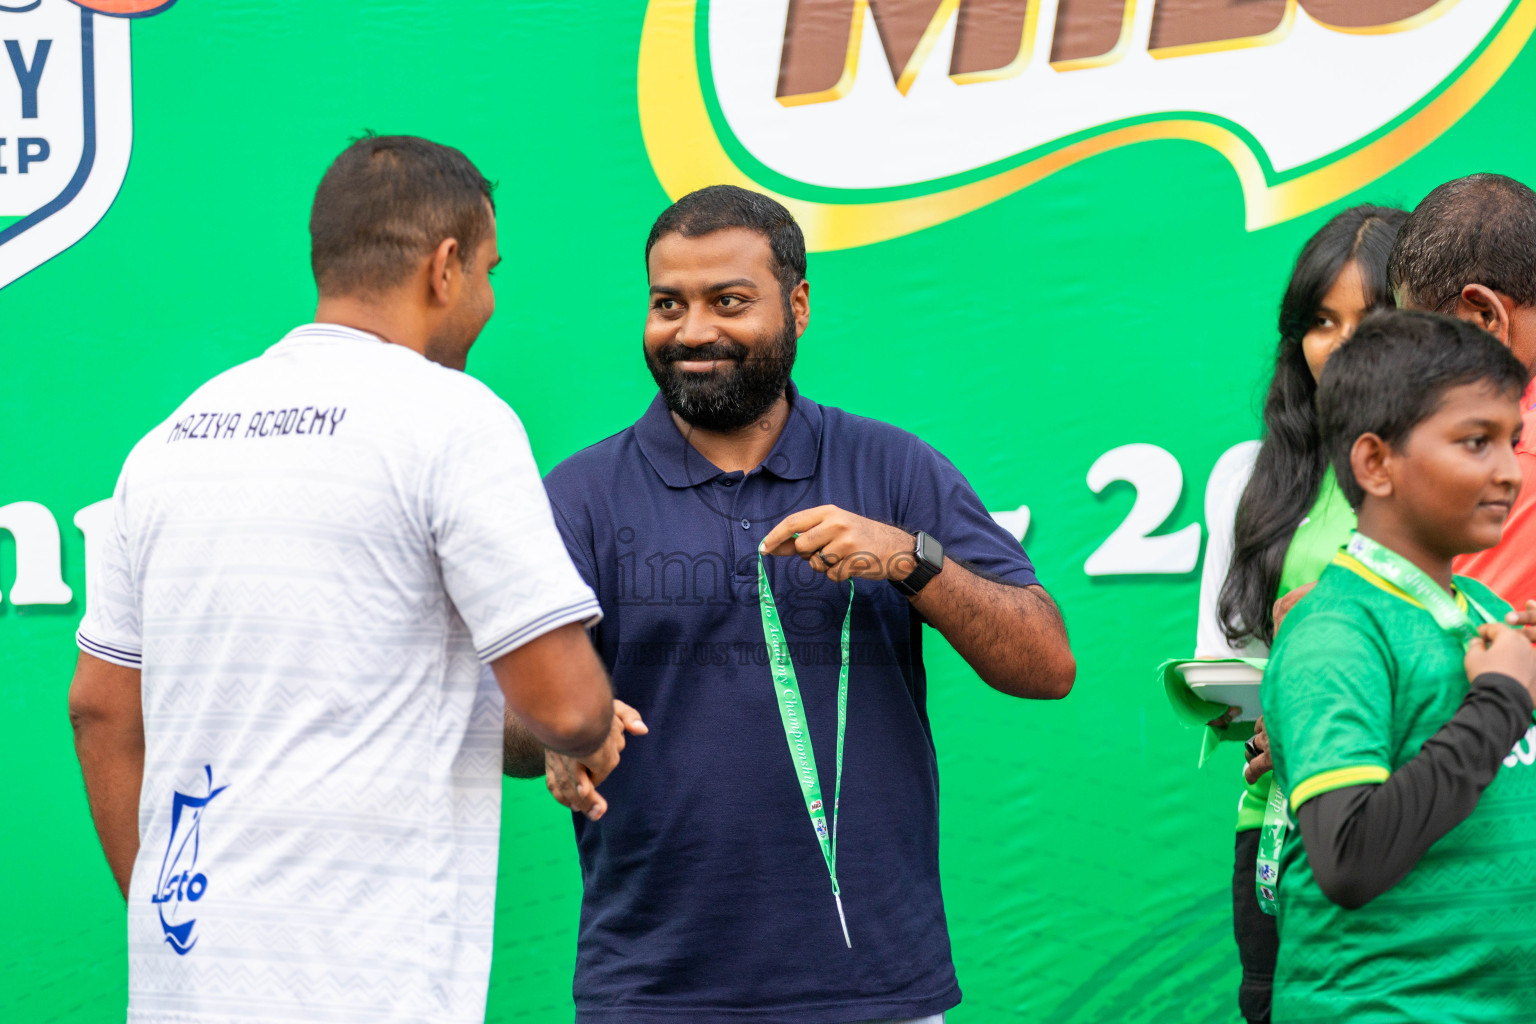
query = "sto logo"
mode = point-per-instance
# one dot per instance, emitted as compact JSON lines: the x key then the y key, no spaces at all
{"x":66,"y":127}
{"x":180,"y":882}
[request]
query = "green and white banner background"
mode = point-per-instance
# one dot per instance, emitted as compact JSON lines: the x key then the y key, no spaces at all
{"x":1043,"y":231}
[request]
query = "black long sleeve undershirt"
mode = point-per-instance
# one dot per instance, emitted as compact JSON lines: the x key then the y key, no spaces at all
{"x":1362,"y":840}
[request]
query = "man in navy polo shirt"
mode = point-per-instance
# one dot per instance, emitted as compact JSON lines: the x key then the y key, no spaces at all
{"x":708,"y":883}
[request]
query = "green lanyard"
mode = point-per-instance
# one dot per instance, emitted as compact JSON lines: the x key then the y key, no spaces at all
{"x":1414,"y":582}
{"x":1271,"y":842}
{"x":798,"y":734}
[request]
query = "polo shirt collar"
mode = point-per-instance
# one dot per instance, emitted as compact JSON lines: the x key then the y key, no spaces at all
{"x":793,"y":457}
{"x":329,"y":332}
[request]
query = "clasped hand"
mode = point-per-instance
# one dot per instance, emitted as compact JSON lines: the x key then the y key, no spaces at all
{"x":834,"y":541}
{"x":573,"y":781}
{"x":842,"y":545}
{"x":1506,"y":649}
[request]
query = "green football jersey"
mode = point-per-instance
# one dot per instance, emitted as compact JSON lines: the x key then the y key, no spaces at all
{"x":1359,"y":678}
{"x":1321,"y":534}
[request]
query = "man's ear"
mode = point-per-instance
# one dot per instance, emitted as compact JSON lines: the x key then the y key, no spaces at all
{"x":1370,"y":459}
{"x":443,"y":271}
{"x":800,"y":305}
{"x":1480,"y":305}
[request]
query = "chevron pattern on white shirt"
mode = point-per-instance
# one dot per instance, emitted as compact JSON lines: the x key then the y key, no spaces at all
{"x":310,"y":561}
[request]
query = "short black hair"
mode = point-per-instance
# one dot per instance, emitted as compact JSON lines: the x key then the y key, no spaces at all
{"x":1480,"y":229}
{"x":1392,"y":375}
{"x":718,"y":207}
{"x":387,"y":201}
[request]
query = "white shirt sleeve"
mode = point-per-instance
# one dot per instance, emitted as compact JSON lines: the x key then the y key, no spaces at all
{"x":503,"y":563}
{"x":111,"y":629}
{"x":1222,"y":492}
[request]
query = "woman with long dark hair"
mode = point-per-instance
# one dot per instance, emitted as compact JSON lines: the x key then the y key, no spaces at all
{"x":1291,"y":518}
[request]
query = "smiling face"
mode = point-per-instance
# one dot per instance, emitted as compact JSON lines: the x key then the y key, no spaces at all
{"x":719,"y":335}
{"x":1456,"y":475}
{"x":1336,"y":318}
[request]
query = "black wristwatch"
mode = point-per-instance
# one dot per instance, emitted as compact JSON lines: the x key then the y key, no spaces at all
{"x":930,"y":562}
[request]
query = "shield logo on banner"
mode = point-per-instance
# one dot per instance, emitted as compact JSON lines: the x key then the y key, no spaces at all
{"x":871,"y":119}
{"x":66,"y":121}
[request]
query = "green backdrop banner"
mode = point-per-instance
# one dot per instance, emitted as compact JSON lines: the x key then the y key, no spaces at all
{"x":1048,"y":237}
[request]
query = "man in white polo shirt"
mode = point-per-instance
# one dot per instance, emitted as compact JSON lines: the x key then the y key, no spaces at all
{"x":292,"y":756}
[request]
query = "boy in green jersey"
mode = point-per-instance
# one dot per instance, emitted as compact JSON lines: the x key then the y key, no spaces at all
{"x":1410,"y":892}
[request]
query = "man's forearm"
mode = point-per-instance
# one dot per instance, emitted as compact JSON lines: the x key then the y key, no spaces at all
{"x":1013,"y":637}
{"x":559,"y":689}
{"x":522,"y":756}
{"x":106,"y":711}
{"x":112,"y":763}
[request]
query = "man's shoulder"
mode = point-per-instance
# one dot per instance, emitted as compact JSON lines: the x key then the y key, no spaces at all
{"x":412,"y":394}
{"x":367,"y":369}
{"x":394,"y":389}
{"x":593,"y":465}
{"x":844,"y":424}
{"x":875,"y":439}
{"x":442,"y":391}
{"x":215,"y":390}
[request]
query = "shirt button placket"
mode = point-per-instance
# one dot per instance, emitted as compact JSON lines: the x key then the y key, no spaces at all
{"x":743,"y":552}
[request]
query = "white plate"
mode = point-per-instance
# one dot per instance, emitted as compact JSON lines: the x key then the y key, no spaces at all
{"x":1231,"y":683}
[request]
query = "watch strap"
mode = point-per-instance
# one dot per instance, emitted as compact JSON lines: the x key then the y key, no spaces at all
{"x":930,"y":562}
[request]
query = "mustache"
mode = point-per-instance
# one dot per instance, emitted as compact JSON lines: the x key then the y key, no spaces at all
{"x":676,"y":353}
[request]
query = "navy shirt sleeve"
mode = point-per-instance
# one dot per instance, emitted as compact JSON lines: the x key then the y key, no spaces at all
{"x":575,"y":528}
{"x":938,"y":500}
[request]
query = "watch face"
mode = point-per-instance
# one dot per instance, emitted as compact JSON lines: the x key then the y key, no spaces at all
{"x":929,"y":552}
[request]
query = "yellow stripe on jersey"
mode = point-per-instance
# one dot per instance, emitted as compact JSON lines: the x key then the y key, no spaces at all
{"x":1336,"y":778}
{"x":1346,"y":561}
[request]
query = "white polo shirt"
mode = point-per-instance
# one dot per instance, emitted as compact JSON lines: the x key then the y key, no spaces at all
{"x":310,"y":560}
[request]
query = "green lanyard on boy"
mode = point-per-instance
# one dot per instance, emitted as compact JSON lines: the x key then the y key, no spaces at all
{"x":1414,"y":582}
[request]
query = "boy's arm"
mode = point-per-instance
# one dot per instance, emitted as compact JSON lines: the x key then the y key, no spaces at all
{"x":1362,"y":840}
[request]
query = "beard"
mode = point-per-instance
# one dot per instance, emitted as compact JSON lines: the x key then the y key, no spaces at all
{"x":725,"y":399}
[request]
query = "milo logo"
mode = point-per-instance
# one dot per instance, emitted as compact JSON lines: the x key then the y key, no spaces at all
{"x":874,"y":118}
{"x":991,"y":41}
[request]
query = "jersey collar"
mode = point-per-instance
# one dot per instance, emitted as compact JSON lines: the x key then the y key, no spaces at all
{"x":1345,"y":561}
{"x":794,"y":455}
{"x":329,"y":332}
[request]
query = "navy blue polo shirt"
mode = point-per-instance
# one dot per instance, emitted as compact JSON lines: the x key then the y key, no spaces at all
{"x":705,"y":893}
